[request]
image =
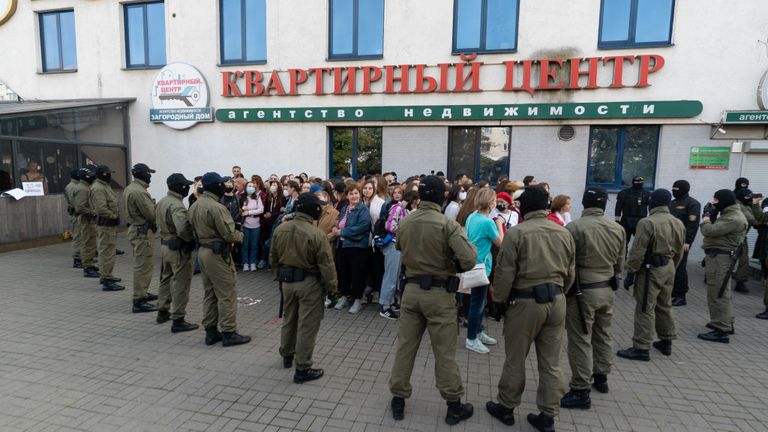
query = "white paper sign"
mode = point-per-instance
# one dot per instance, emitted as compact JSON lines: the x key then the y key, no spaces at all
{"x":16,"y":193}
{"x":33,"y":188}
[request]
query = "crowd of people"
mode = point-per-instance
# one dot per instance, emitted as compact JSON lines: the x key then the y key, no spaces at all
{"x":354,"y":240}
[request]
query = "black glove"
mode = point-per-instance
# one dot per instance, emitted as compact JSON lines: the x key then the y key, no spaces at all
{"x":153,"y":227}
{"x":710,"y":211}
{"x":238,"y":226}
{"x":497,"y":311}
{"x":629,"y":280}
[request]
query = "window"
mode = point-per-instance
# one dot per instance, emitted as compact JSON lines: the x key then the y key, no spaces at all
{"x":485,"y":26}
{"x":112,"y":156}
{"x":57,"y":41}
{"x":619,"y":153}
{"x":355,"y":152}
{"x":636,"y":23}
{"x":482,"y":153}
{"x":6,"y":166}
{"x":243,"y":31}
{"x":356,"y":29}
{"x":144,"y":35}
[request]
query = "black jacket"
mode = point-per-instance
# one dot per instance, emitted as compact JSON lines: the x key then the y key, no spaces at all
{"x":688,"y":210}
{"x":632,"y":205}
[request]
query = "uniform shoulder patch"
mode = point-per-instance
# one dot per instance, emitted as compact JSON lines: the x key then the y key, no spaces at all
{"x":692,"y":218}
{"x":681,"y":207}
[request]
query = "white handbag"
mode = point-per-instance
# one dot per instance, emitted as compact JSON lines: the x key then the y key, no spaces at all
{"x":473,"y":278}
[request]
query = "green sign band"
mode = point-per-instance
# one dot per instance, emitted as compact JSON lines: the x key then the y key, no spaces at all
{"x":181,"y":114}
{"x":709,"y":158}
{"x":746,"y":117}
{"x":548,"y":111}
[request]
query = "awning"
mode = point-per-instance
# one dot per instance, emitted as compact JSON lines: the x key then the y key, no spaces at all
{"x":10,"y":108}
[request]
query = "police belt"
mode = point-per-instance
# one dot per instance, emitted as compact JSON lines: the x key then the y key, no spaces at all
{"x":712,"y":252}
{"x":544,"y":293}
{"x":593,"y":285}
{"x":435,"y":282}
{"x":107,"y":221}
{"x":294,"y":274}
{"x":218,"y":247}
{"x":175,"y":244}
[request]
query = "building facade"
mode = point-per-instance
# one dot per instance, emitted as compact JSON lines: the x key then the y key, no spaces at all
{"x":575,"y":93}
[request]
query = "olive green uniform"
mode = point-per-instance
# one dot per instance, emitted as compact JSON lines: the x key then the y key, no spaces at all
{"x":69,"y":196}
{"x":742,"y":269}
{"x":84,"y":215}
{"x":721,"y":238}
{"x":663,"y":237}
{"x":175,"y":265}
{"x":533,"y":253}
{"x":140,"y":214}
{"x":429,"y":242}
{"x":600,"y":253}
{"x":104,"y":204}
{"x":300,"y":244}
{"x":211,"y":222}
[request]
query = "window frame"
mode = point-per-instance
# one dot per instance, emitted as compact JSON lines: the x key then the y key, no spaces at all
{"x":477,"y":154}
{"x":145,"y":65}
{"x":630,"y":43}
{"x":43,"y":62}
{"x":354,"y":157}
{"x":355,"y":33}
{"x":617,"y":186}
{"x":483,"y":31}
{"x":243,"y":39}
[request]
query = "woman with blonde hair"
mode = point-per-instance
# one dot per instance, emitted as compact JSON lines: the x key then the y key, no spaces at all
{"x":560,"y":211}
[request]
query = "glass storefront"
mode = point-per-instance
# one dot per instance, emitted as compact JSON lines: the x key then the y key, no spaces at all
{"x":482,"y":153}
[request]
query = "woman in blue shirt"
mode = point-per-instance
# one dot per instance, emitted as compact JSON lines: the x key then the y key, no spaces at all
{"x":483,"y":232}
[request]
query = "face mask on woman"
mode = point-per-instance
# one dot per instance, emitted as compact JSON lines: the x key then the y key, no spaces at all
{"x":462,"y":196}
{"x":286,"y":193}
{"x":200,"y":190}
{"x":273,"y":189}
{"x":250,"y":190}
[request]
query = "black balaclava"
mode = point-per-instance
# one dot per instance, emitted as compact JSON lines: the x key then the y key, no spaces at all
{"x":745,"y":196}
{"x":178,"y":183}
{"x":725,"y":198}
{"x":86,"y":175}
{"x":680,"y":189}
{"x":432,"y":189}
{"x":659,"y":198}
{"x":213,"y":183}
{"x":534,"y":198}
{"x":637,"y":183}
{"x":142,"y":172}
{"x":74,"y":174}
{"x":104,"y":173}
{"x":595,"y":197}
{"x":309,"y":204}
{"x":741,"y":183}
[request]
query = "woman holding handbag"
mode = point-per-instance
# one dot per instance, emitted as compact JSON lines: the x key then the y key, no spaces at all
{"x":483,"y":232}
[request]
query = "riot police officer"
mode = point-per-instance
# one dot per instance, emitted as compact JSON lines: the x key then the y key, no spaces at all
{"x":104,"y":204}
{"x":69,"y":196}
{"x":86,"y":219}
{"x":215,"y":230}
{"x":600,"y":254}
{"x":434,"y":248}
{"x":741,"y":275}
{"x":631,"y":206}
{"x":302,"y":260}
{"x":723,"y":235}
{"x":536,"y":265}
{"x":655,"y":254}
{"x":687,"y":210}
{"x":140,"y":213}
{"x":177,"y":243}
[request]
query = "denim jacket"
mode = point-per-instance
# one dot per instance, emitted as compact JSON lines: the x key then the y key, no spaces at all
{"x":357,"y":229}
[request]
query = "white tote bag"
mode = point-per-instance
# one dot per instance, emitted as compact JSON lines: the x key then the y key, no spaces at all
{"x":473,"y":278}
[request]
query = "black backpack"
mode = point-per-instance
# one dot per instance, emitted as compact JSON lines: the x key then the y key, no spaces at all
{"x":380,"y":227}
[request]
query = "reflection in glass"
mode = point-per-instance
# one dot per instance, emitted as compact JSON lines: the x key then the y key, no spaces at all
{"x":255,"y":30}
{"x":468,"y":23}
{"x":615,"y":20}
{"x":50,"y":27}
{"x":501,"y":27}
{"x":640,"y":144}
{"x":134,"y":32}
{"x":368,"y":151}
{"x":602,"y":155}
{"x":494,"y":153}
{"x":356,"y":151}
{"x":617,"y":154}
{"x":145,"y":19}
{"x":461,"y":152}
{"x":6,"y":166}
{"x":113,"y":157}
{"x":68,"y":45}
{"x":370,"y":27}
{"x":653,"y":20}
{"x":231,"y":29}
{"x":342,"y":25}
{"x":156,"y":33}
{"x":342,"y":151}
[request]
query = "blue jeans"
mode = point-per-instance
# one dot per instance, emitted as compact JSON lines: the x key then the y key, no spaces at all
{"x":251,"y":245}
{"x":391,"y":273}
{"x":475,"y":314}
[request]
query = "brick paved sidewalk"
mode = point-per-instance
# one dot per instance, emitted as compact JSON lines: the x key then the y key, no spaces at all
{"x":74,"y":358}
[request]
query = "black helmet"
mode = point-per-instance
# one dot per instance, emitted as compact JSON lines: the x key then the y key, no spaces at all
{"x":432,"y":188}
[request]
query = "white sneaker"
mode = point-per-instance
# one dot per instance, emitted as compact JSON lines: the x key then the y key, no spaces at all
{"x":341,"y":304}
{"x":246,"y":267}
{"x":253,"y":267}
{"x":356,"y":307}
{"x":485,"y":339}
{"x":476,"y":346}
{"x":327,"y":302}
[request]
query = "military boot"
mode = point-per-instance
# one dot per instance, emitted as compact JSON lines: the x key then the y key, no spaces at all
{"x":150,"y":297}
{"x":542,"y":422}
{"x":634,"y":354}
{"x":163,"y":316}
{"x":398,"y":408}
{"x":741,"y":287}
{"x":140,"y":306}
{"x":212,"y":335}
{"x":91,"y":272}
{"x":458,"y":411}
{"x":504,"y":414}
{"x":233,"y":338}
{"x":77,"y":263}
{"x":179,"y":325}
{"x":600,"y":383}
{"x":302,"y":376}
{"x":664,"y":345}
{"x":731,"y":332}
{"x":715,"y":336}
{"x":287,"y":362}
{"x":762,"y":315}
{"x":119,"y":252}
{"x":113,"y":279}
{"x":111,"y":286}
{"x":576,"y":399}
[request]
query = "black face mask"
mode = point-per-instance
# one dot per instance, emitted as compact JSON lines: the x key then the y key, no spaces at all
{"x":229,"y":189}
{"x":501,"y":207}
{"x":678,"y":194}
{"x":637,"y":186}
{"x":143,"y":176}
{"x":106,"y":177}
{"x":216,"y":189}
{"x":200,"y":190}
{"x":182,"y":190}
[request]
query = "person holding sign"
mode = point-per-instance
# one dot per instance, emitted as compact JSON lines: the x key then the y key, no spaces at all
{"x":34,"y":175}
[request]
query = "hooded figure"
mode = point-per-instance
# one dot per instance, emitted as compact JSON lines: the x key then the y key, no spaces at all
{"x":632,"y":206}
{"x":688,"y":211}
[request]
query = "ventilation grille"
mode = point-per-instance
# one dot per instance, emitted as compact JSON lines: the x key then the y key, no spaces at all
{"x":566,"y":133}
